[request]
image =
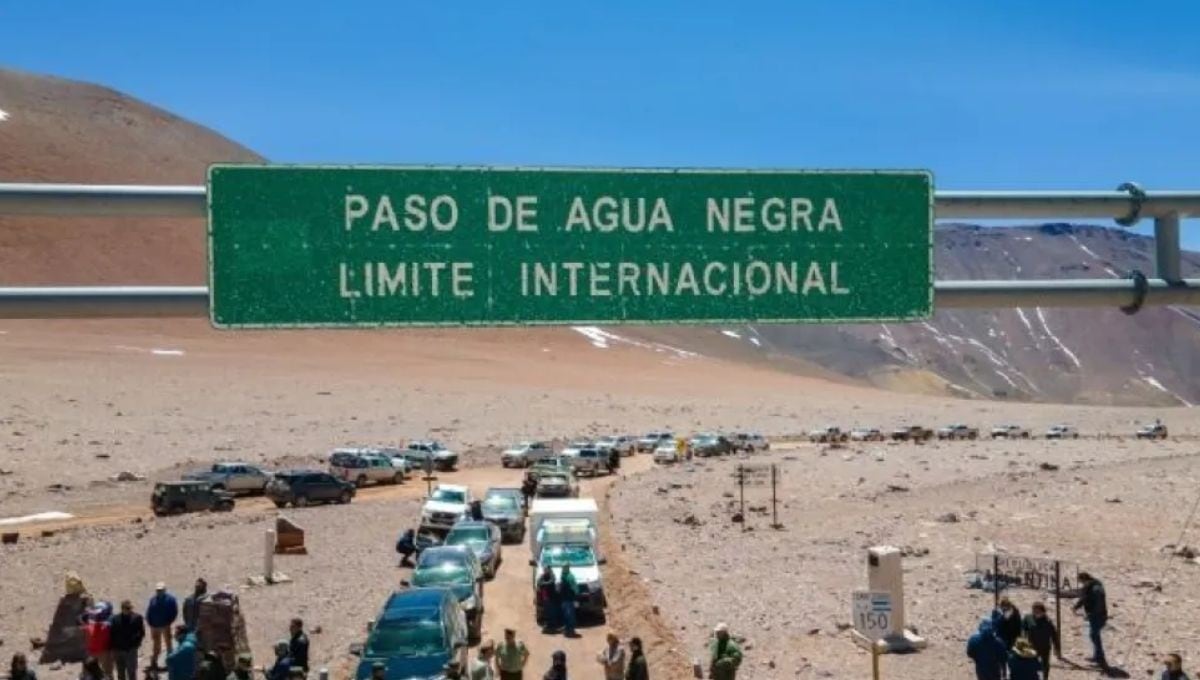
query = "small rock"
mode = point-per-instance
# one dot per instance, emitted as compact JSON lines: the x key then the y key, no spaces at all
{"x":36,"y":643}
{"x":948,"y":518}
{"x":1048,"y":467}
{"x":103,"y":456}
{"x":316,"y":630}
{"x":896,"y":488}
{"x":1114,"y":499}
{"x":737,"y":518}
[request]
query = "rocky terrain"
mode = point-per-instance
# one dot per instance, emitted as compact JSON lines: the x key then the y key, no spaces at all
{"x":1108,"y":506}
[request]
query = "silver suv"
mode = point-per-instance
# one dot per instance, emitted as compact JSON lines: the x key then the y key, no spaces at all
{"x":590,"y":461}
{"x":233,"y":477}
{"x":360,"y":466}
{"x":525,"y":454}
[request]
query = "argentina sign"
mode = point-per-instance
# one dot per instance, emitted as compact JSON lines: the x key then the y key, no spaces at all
{"x":304,"y":246}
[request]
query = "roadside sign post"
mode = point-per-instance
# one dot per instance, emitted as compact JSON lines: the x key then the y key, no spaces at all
{"x":742,"y":494}
{"x":996,"y":581}
{"x":1057,"y":605}
{"x":296,"y":246}
{"x":774,"y":499}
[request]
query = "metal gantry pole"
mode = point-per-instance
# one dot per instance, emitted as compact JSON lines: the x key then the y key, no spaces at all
{"x":1126,"y":205}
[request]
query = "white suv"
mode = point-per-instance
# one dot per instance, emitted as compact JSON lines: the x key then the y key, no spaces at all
{"x":446,"y":505}
{"x":525,"y":454}
{"x":359,"y":466}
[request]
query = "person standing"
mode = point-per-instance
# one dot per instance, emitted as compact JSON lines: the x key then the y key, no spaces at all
{"x":638,"y":669}
{"x":18,"y":669}
{"x":160,"y":614}
{"x":1023,"y":663}
{"x":1173,"y":668}
{"x":558,"y":666}
{"x":406,"y":545}
{"x":1006,"y":621}
{"x":1042,"y":634}
{"x":725,"y":657}
{"x":568,"y":589}
{"x":612,"y":658}
{"x":987,"y":651}
{"x":511,"y":657}
{"x":97,"y":634}
{"x":128,"y":631}
{"x":528,"y":489}
{"x":243,"y":668}
{"x":1094,"y":603}
{"x":298,"y":644}
{"x":191,"y":605}
{"x":181,"y":661}
{"x":481,"y":665}
{"x":547,"y":597}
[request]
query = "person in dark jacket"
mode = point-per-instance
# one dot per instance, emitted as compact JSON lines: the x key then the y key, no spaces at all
{"x":406,"y":546}
{"x":638,"y":669}
{"x":298,"y":644}
{"x":19,"y":668}
{"x":126,"y":633}
{"x":568,"y":590}
{"x":1174,"y":668}
{"x":1023,"y":663}
{"x":558,"y":667}
{"x":160,"y":614}
{"x":283,"y":662}
{"x":528,"y":489}
{"x":987,"y":651}
{"x":191,"y":605}
{"x":211,"y":667}
{"x":1094,"y":604}
{"x":1006,"y":621}
{"x":1042,"y":634}
{"x":549,"y":609}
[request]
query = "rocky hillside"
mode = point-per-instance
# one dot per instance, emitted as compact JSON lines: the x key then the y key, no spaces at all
{"x":55,"y":130}
{"x":58,"y":130}
{"x":1035,"y":353}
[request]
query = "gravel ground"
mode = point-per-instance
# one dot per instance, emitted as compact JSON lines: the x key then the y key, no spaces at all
{"x":1110,"y":507}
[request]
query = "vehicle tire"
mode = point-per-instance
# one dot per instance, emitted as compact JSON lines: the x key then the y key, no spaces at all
{"x":300,"y":501}
{"x":280,"y":504}
{"x":398,"y":479}
{"x":218,"y":487}
{"x":225,"y":507}
{"x":361,"y":481}
{"x":344,"y":498}
{"x":1075,"y":436}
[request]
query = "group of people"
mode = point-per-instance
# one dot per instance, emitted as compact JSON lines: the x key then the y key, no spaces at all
{"x":1009,"y":646}
{"x":113,"y":643}
{"x":557,"y":600}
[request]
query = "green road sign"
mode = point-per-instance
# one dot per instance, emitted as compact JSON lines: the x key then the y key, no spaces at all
{"x":449,"y":246}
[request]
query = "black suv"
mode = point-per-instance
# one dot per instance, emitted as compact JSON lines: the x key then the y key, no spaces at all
{"x":302,"y":487}
{"x":170,"y":498}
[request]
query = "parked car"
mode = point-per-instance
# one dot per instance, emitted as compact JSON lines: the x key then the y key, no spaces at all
{"x":558,"y":485}
{"x":574,"y":447}
{"x":420,"y":452}
{"x":525,"y":454}
{"x":173,"y":498}
{"x":360,"y":466}
{"x":399,"y":460}
{"x":1010,"y":432}
{"x":483,"y":539}
{"x":302,"y":487}
{"x":707,"y":444}
{"x":828,"y":435}
{"x":1062,"y":432}
{"x":666,"y":453}
{"x":622,"y":444}
{"x":456,"y":568}
{"x":866,"y":434}
{"x":912,"y":433}
{"x":416,"y":633}
{"x":653,"y":440}
{"x":1155,"y":431}
{"x":958,"y":432}
{"x":233,"y":477}
{"x":749,"y":441}
{"x":446,"y":505}
{"x":590,"y":461}
{"x":505,"y":508}
{"x":551,"y":465}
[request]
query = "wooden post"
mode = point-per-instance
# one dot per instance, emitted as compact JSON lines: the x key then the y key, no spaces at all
{"x":269,"y":555}
{"x":742,"y":493}
{"x":875,"y":659}
{"x":1058,"y":605}
{"x":995,"y":580}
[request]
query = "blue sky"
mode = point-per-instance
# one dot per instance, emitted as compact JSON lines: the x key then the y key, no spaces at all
{"x":1020,"y":94}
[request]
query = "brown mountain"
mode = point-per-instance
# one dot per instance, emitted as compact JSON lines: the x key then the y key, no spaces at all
{"x":56,"y":130}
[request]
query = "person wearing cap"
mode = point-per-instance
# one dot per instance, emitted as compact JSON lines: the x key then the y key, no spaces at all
{"x":481,"y":665}
{"x":181,"y":661}
{"x":511,"y":657}
{"x":612,"y":658}
{"x":558,"y":666}
{"x":191,"y":604}
{"x":724,"y":655}
{"x":1173,"y":668}
{"x":160,"y":614}
{"x":243,"y":668}
{"x":128,"y":632}
{"x":378,"y":671}
{"x":298,"y":644}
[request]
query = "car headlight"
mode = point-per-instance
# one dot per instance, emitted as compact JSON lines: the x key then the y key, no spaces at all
{"x":470,"y":603}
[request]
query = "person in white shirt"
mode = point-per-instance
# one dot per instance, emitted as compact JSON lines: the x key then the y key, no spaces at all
{"x":613,"y":659}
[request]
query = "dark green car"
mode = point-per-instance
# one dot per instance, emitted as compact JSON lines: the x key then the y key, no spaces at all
{"x":173,"y":498}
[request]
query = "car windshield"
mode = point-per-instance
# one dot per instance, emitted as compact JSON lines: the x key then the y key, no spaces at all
{"x":442,"y":574}
{"x":573,"y":555}
{"x":468,"y":536}
{"x":500,"y":503}
{"x":706,"y":440}
{"x":404,"y":634}
{"x":449,"y":496}
{"x":553,"y":479}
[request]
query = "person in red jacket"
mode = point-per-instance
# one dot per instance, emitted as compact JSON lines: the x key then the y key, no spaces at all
{"x":97,"y":633}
